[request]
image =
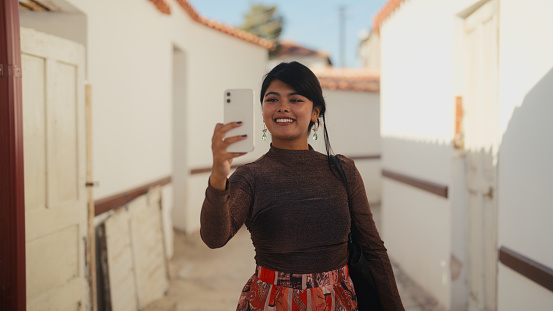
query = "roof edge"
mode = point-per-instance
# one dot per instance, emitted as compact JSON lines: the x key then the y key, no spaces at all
{"x":390,"y":7}
{"x":235,"y":32}
{"x":348,"y":79}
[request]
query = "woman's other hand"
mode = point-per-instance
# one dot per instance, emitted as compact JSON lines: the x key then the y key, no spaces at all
{"x":221,"y":158}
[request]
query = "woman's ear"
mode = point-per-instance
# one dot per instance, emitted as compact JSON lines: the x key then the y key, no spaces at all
{"x":315,"y":114}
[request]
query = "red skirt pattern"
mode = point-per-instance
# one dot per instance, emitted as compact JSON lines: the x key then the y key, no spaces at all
{"x":279,"y":291}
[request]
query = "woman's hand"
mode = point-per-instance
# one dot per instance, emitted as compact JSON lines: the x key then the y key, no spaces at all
{"x":221,"y":158}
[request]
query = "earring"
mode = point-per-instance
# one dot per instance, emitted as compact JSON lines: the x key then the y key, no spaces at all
{"x":264,"y":137}
{"x":315,"y":128}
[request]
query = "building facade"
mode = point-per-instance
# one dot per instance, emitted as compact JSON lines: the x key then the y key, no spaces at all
{"x":152,"y":76}
{"x":465,"y":195}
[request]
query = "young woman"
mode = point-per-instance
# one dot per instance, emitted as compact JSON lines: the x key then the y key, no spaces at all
{"x":295,"y":206}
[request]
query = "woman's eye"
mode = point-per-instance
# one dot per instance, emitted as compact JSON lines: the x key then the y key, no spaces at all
{"x":270,"y":100}
{"x":296,"y":100}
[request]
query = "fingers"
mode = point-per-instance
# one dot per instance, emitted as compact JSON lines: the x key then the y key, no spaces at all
{"x":219,"y":143}
{"x":222,"y":129}
{"x":231,"y":140}
{"x":220,"y":147}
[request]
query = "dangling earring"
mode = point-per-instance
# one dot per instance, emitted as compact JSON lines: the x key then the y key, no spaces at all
{"x":315,"y":128}
{"x":264,"y":137}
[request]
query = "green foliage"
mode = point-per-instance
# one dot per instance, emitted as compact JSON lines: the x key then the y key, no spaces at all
{"x":264,"y":22}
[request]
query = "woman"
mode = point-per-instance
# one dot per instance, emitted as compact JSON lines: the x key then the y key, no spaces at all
{"x":295,"y":207}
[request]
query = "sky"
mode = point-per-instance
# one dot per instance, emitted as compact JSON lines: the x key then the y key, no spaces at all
{"x":314,"y":24}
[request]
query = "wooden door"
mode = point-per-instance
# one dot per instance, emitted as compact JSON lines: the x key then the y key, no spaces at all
{"x":55,"y":168}
{"x":481,"y":132}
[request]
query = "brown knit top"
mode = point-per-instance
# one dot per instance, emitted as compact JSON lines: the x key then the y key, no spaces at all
{"x":296,"y":210}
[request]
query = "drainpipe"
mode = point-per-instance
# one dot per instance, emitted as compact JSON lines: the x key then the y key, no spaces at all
{"x":12,"y":200}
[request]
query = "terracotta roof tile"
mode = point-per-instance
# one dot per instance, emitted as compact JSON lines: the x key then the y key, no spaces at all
{"x":292,"y":48}
{"x":187,"y":7}
{"x":385,"y":12}
{"x":162,"y":6}
{"x":348,"y":79}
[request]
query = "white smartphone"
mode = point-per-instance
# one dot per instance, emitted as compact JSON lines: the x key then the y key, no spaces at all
{"x":239,"y":106}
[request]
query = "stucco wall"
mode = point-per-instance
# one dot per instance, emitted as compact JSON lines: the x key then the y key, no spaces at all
{"x":416,"y":127}
{"x":136,"y":58}
{"x":525,"y":168}
{"x":353,"y":126}
{"x":229,"y":63}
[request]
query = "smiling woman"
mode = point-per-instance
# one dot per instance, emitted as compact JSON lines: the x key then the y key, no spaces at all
{"x":287,"y":115}
{"x":295,"y":206}
{"x":292,"y":102}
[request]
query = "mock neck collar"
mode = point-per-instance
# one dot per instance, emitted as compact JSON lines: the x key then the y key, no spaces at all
{"x":275,"y":149}
{"x":290,"y":153}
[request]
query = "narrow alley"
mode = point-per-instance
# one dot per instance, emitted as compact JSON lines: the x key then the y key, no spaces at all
{"x":202,"y":279}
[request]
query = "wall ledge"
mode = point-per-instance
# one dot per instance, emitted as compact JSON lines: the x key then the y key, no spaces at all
{"x":529,"y":268}
{"x":432,"y":187}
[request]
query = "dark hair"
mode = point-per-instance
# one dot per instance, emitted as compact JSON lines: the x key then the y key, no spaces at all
{"x":303,"y":81}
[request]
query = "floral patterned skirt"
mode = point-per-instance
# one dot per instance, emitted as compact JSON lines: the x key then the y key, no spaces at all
{"x":273,"y":290}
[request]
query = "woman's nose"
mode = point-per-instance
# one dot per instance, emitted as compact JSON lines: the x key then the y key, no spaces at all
{"x":284,"y":107}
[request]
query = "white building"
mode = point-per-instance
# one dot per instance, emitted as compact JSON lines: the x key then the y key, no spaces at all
{"x":369,"y":50}
{"x":466,"y":149}
{"x":156,"y":72}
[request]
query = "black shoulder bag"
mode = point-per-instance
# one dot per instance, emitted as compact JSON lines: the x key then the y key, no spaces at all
{"x":363,"y":282}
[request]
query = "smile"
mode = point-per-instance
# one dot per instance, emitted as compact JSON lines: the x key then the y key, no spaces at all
{"x":284,"y":120}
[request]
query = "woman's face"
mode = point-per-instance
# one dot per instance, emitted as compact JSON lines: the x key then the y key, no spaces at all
{"x":287,"y":115}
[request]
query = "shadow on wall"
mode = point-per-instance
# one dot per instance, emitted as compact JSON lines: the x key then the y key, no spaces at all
{"x":530,"y":127}
{"x":526,"y":172}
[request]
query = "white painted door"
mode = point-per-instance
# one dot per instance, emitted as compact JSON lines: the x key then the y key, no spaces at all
{"x":480,"y":127}
{"x":55,"y":193}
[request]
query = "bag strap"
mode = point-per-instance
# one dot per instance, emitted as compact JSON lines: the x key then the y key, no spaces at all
{"x":338,"y":165}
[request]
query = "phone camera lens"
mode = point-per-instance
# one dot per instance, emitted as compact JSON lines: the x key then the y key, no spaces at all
{"x":228,"y":100}
{"x":228,"y":93}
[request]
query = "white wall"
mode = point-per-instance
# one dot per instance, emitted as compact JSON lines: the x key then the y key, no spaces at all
{"x":242,"y":65}
{"x":353,"y":124}
{"x":368,"y":52}
{"x":421,"y":75}
{"x":525,"y":168}
{"x":417,"y":127}
{"x":130,"y":62}
{"x":417,"y":224}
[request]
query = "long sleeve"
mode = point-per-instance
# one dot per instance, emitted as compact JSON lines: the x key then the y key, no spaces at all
{"x":225,"y":211}
{"x":373,"y":246}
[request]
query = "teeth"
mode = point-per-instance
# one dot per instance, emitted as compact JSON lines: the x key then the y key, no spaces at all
{"x":284,"y":120}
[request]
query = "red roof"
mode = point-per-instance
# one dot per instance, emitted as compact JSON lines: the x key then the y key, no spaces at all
{"x":163,"y":7}
{"x":385,"y":12}
{"x":348,"y":79}
{"x":291,"y":48}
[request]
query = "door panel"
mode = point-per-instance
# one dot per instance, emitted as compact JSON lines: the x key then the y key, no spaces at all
{"x":481,"y":130}
{"x":53,"y":259}
{"x":62,"y":133}
{"x":55,"y":194}
{"x":34,"y":134}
